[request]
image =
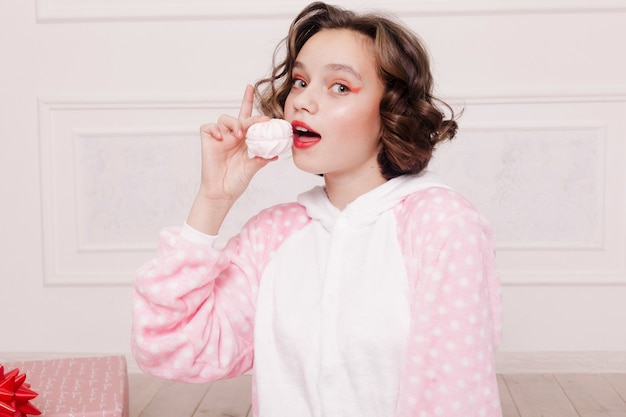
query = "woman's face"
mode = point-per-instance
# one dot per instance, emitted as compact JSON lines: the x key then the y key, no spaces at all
{"x":334,"y":105}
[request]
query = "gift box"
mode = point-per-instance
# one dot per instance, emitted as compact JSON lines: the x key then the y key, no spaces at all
{"x":77,"y":387}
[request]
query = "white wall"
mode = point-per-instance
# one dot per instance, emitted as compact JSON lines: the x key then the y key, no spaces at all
{"x":100,"y":103}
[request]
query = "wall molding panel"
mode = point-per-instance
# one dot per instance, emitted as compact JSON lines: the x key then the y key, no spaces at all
{"x":110,"y":159}
{"x":547,"y":162}
{"x":110,"y":167}
{"x":77,"y":10}
{"x":118,"y":159}
{"x":551,"y":166}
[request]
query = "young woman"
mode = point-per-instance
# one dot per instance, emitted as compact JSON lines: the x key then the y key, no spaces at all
{"x":374,"y":295}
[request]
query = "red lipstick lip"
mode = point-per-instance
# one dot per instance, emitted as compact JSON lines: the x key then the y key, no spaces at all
{"x":297,"y":123}
{"x":303,"y":141}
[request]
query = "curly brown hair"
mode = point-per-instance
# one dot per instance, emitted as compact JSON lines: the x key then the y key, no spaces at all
{"x":412,"y":122}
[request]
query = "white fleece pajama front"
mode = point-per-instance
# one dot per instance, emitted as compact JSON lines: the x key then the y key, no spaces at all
{"x":390,"y":307}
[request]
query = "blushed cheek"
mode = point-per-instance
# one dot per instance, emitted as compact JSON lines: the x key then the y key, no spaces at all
{"x":360,"y":123}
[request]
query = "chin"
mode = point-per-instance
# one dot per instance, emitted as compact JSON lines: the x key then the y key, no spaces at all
{"x":305,"y":164}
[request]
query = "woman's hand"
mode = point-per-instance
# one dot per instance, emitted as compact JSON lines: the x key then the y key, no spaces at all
{"x":226,"y":167}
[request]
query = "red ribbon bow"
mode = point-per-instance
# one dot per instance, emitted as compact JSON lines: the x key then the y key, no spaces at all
{"x":15,"y":395}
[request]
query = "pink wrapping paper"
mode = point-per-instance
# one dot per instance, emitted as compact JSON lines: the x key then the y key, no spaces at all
{"x":78,"y":387}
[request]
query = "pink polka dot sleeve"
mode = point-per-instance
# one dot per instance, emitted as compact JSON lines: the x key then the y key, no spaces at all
{"x":455,"y":311}
{"x":193,"y":306}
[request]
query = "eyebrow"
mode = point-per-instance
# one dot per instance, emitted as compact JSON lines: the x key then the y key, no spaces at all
{"x":334,"y":67}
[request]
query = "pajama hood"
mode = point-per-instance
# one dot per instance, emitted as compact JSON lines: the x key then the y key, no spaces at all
{"x":365,"y":209}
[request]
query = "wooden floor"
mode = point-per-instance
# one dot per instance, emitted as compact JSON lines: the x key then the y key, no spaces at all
{"x":529,"y":395}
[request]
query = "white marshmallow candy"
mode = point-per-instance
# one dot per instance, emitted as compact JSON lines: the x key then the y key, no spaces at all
{"x":269,"y":139}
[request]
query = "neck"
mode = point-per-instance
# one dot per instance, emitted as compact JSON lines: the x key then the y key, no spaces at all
{"x":343,"y":191}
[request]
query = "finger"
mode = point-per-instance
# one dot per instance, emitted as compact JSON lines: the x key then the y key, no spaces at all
{"x":212,"y":130}
{"x":247,"y":103}
{"x":246,"y":123}
{"x":229,"y":125}
{"x":215,"y":132}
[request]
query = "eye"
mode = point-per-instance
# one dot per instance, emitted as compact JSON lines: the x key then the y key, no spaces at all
{"x":340,"y":88}
{"x":298,"y":83}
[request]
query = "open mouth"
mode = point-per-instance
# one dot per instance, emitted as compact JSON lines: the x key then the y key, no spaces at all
{"x":304,"y":136}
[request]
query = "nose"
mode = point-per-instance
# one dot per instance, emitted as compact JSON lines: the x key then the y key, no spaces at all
{"x":304,"y":99}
